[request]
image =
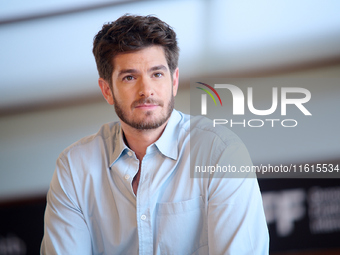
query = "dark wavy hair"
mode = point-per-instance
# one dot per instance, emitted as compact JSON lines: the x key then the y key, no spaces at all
{"x":131,"y":33}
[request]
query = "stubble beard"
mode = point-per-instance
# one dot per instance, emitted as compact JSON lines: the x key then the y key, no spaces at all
{"x":144,"y":124}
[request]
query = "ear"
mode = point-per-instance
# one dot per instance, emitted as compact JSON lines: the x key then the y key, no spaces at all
{"x":106,"y":90}
{"x":175,"y":79}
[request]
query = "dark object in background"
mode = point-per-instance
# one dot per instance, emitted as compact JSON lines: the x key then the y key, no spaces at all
{"x":22,"y":226}
{"x":302,"y":214}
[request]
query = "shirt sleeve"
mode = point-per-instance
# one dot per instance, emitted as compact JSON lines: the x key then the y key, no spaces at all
{"x":236,"y":220}
{"x":65,"y":230}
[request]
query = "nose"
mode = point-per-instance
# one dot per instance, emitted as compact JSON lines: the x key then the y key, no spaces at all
{"x":145,"y":88}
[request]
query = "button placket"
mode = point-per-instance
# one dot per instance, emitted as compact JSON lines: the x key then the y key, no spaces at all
{"x":131,"y":170}
{"x":143,"y":210}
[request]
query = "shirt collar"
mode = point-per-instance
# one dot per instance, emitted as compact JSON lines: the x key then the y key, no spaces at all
{"x":167,"y":144}
{"x":119,"y":146}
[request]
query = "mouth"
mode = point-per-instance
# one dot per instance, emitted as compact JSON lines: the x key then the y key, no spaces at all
{"x":146,"y":106}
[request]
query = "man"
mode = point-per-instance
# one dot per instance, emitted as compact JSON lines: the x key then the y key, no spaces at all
{"x":127,"y":189}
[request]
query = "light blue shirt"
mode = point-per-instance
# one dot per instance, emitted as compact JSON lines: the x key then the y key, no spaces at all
{"x":92,"y":209}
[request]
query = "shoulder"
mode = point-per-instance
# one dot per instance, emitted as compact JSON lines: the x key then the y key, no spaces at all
{"x":210,"y":142}
{"x":96,"y":142}
{"x":200,"y":129}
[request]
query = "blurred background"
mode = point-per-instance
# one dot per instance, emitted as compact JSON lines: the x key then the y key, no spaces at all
{"x":49,"y":98}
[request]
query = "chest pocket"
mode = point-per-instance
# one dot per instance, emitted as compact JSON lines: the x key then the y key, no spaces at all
{"x":182,"y":227}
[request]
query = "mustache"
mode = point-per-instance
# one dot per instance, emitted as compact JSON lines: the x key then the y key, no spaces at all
{"x":147,"y":100}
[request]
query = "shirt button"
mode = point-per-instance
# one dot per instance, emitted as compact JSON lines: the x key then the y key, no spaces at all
{"x":127,"y":177}
{"x":129,"y":153}
{"x":143,"y":217}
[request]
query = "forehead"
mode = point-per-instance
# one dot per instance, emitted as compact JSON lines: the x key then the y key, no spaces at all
{"x":147,"y":57}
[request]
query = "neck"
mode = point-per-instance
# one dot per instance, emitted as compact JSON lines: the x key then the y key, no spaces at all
{"x":139,"y":140}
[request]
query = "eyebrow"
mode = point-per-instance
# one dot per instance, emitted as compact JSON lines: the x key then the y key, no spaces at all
{"x":152,"y":69}
{"x":124,"y":71}
{"x":156,"y":68}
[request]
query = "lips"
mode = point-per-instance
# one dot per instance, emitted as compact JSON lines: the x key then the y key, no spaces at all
{"x":146,"y":103}
{"x":146,"y":106}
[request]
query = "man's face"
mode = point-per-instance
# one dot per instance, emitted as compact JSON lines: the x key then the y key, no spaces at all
{"x":143,"y":89}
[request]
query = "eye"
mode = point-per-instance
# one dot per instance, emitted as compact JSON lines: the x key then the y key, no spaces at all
{"x":158,"y":75}
{"x":128,"y":78}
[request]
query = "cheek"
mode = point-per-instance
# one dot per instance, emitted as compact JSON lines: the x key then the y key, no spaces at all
{"x":126,"y":98}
